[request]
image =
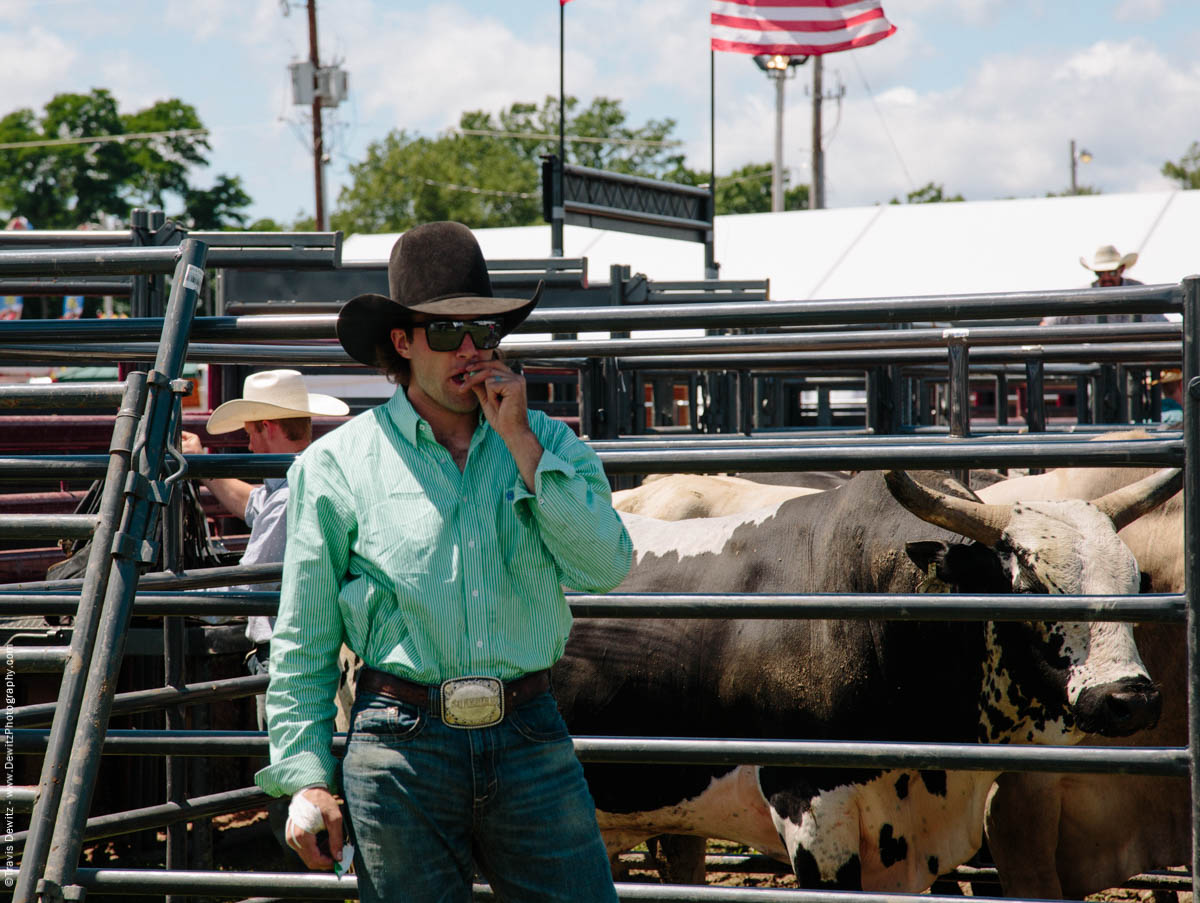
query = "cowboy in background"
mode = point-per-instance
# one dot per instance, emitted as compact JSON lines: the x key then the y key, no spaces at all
{"x":1171,"y":384}
{"x":1109,"y":266}
{"x":276,"y":411}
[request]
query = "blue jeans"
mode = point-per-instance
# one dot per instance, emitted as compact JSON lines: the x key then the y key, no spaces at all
{"x":428,"y":803}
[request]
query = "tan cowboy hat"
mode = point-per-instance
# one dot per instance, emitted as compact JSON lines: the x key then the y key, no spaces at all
{"x":1168,"y":376}
{"x":273,"y":395}
{"x":1109,"y":258}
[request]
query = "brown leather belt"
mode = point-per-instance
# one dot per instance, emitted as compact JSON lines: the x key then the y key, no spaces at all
{"x":516,"y":692}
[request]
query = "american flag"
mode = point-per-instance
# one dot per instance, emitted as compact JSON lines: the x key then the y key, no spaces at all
{"x":797,"y":27}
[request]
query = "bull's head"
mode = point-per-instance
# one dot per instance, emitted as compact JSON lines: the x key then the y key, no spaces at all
{"x":1048,"y":681}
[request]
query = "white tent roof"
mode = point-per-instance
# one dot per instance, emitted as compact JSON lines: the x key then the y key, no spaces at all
{"x":890,"y":250}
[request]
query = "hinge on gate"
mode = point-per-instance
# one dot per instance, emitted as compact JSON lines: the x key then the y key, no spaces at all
{"x":127,"y":548}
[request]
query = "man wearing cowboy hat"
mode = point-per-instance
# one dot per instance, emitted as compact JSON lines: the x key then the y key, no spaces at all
{"x":276,"y":411}
{"x":434,"y":534}
{"x":1109,"y":265}
{"x":1171,"y":406}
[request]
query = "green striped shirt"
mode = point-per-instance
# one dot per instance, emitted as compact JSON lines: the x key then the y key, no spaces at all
{"x":424,"y":571}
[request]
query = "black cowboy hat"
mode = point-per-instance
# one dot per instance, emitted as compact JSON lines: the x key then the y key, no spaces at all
{"x":436,"y":271}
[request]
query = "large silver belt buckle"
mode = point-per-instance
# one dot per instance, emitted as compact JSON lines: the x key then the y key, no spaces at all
{"x":469,"y":702}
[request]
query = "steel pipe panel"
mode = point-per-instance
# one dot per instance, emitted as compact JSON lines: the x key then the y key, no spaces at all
{"x":42,"y":287}
{"x":37,"y":659}
{"x":62,"y":395}
{"x":150,"y":700}
{"x":1164,"y":761}
{"x":146,"y":604}
{"x":47,"y":526}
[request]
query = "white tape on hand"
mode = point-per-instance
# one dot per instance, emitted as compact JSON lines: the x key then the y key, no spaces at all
{"x":302,"y":816}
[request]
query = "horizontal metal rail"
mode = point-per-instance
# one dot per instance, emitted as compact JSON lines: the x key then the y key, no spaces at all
{"x":918,"y":453}
{"x":36,"y":659}
{"x":567,"y":352}
{"x":325,"y":886}
{"x":156,"y":698}
{"x":1155,"y":760}
{"x":90,"y":262}
{"x":47,"y":526}
{"x":731,"y":315}
{"x":117,"y":823}
{"x":61,"y":395}
{"x":91,"y":288}
{"x":849,"y":361}
{"x":1150,"y":607}
{"x":19,"y":797}
{"x":146,"y":604}
{"x":176,"y":580}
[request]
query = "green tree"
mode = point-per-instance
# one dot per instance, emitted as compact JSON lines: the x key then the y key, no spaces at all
{"x":1187,"y":171}
{"x":931,"y":193}
{"x":59,"y":186}
{"x":215,"y":208}
{"x":485,"y":180}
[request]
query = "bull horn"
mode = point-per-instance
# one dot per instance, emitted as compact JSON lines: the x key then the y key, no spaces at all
{"x":975,"y":520}
{"x":1127,"y":504}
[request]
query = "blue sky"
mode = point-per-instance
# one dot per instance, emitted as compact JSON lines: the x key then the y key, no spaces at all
{"x":983,"y":96}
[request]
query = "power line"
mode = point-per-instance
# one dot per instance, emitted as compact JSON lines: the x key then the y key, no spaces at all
{"x":103,"y":139}
{"x":471,"y":189}
{"x":587,"y":139}
{"x":883,"y":122}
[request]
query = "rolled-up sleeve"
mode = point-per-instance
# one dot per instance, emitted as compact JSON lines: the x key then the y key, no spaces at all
{"x":572,"y":506}
{"x":308,"y":631}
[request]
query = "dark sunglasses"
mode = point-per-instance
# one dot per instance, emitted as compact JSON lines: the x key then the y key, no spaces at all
{"x":447,"y":335}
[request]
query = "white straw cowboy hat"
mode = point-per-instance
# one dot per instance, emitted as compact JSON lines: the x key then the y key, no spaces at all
{"x":1109,"y":258}
{"x":273,"y":395}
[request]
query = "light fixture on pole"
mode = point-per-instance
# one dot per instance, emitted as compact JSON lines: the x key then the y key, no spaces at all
{"x":778,"y":67}
{"x":1082,"y":156}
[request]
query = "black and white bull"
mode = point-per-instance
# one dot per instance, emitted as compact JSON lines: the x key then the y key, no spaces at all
{"x":1061,"y":836}
{"x":893,"y":830}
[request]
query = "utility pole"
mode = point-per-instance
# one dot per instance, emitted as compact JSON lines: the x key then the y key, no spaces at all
{"x":318,"y":142}
{"x":816,"y":198}
{"x":816,"y":194}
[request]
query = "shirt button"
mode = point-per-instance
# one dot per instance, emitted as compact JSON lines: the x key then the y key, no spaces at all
{"x":479,"y":644}
{"x":471,"y":544}
{"x":508,"y":496}
{"x":464,"y":498}
{"x":475,"y":593}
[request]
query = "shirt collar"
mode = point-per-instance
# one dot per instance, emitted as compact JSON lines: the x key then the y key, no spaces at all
{"x":407,"y":420}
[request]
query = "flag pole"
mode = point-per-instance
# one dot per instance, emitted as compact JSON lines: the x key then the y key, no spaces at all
{"x":710,"y":263}
{"x":556,"y":213}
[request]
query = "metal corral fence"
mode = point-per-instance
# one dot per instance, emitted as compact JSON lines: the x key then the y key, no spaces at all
{"x":143,"y":466}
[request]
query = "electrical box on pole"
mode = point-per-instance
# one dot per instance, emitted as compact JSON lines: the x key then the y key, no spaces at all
{"x":330,"y":84}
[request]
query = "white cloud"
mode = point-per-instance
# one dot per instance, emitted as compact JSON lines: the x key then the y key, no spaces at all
{"x":33,"y":63}
{"x":1138,"y":10}
{"x":1006,"y":131}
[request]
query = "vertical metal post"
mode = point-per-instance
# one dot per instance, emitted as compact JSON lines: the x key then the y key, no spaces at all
{"x":139,"y":296}
{"x":960,"y":391}
{"x":83,"y":638}
{"x":1035,"y":391}
{"x":143,"y":492}
{"x":711,"y":266}
{"x":1191,"y":533}
{"x":317,"y":141}
{"x":824,"y":408}
{"x":693,"y":403}
{"x":745,"y":386}
{"x":880,"y":413}
{"x":1084,"y":399}
{"x":1001,"y":398}
{"x":174,"y":675}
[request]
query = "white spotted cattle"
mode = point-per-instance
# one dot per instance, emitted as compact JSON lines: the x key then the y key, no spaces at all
{"x":1068,"y":836}
{"x":681,"y":496}
{"x":1040,"y":682}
